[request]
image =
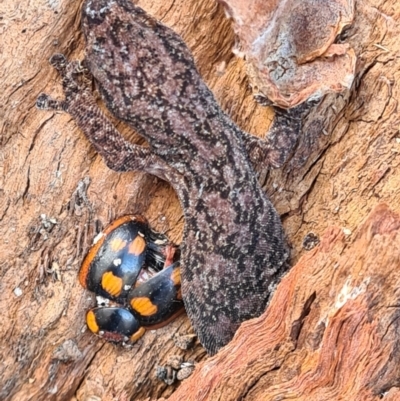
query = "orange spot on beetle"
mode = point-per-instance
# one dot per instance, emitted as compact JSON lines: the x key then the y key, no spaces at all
{"x":117,"y":244}
{"x":135,"y":336}
{"x":91,"y":322}
{"x":144,"y":306}
{"x":176,"y":276}
{"x":111,"y":284}
{"x":137,"y":246}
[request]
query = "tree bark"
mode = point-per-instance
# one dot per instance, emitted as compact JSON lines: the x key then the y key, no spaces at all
{"x":329,"y":333}
{"x":331,"y":328}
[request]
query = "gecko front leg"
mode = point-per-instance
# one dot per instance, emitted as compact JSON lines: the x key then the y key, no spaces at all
{"x":79,"y":102}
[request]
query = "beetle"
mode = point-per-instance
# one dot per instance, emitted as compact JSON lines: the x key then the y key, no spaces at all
{"x":159,"y":300}
{"x":114,"y":324}
{"x":137,"y":269}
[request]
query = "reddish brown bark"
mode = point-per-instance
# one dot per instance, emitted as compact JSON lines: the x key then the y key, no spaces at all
{"x":291,"y":47}
{"x":346,"y":163}
{"x":330,"y":332}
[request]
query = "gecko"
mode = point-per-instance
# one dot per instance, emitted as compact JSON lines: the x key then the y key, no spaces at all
{"x":233,"y":251}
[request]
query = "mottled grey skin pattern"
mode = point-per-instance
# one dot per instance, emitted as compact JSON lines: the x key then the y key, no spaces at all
{"x":233,"y":251}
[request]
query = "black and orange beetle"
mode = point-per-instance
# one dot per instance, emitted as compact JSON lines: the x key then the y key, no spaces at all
{"x":114,"y":261}
{"x":124,"y":266}
{"x":157,"y":301}
{"x":114,"y":324}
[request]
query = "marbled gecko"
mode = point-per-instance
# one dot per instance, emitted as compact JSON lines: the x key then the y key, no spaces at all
{"x":233,"y":251}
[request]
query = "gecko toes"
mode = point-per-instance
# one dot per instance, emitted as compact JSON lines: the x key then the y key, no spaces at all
{"x":58,"y":61}
{"x":45,"y":102}
{"x":42,"y":102}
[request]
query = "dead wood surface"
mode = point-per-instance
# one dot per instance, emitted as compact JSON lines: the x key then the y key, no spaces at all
{"x":330,"y":332}
{"x":55,"y":193}
{"x":294,"y":49}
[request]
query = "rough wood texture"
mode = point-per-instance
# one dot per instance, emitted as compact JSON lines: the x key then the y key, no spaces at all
{"x":331,"y":330}
{"x":346,"y":163}
{"x":292,"y":49}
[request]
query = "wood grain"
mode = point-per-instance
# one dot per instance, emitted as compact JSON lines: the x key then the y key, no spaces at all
{"x":346,"y":163}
